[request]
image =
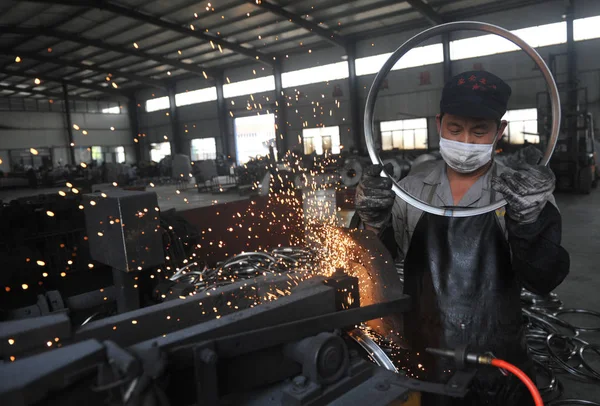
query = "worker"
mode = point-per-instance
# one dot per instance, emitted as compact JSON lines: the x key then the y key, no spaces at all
{"x":465,"y":274}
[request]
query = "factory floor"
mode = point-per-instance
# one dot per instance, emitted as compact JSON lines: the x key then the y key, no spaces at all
{"x":581,"y":238}
{"x":168,"y":198}
{"x":581,"y":289}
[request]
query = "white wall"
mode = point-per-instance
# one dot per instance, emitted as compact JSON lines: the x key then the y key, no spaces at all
{"x":23,"y":130}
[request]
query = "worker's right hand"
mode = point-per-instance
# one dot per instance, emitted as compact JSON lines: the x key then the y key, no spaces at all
{"x":374,"y":196}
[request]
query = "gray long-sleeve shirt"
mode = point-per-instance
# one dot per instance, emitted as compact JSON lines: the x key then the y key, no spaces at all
{"x":537,"y":255}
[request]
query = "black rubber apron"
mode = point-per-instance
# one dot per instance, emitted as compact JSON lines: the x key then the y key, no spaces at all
{"x":458,"y":272}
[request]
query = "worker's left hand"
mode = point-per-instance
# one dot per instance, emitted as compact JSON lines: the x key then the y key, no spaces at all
{"x":526,"y":190}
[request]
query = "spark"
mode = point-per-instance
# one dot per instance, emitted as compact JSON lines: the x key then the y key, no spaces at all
{"x":33,"y":151}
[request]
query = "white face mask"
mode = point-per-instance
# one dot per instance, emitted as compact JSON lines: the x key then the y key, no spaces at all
{"x":463,"y":157}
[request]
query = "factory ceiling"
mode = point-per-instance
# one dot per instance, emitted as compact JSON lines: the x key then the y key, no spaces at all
{"x":107,"y":49}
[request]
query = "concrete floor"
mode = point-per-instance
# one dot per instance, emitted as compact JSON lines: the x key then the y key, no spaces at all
{"x":581,"y":289}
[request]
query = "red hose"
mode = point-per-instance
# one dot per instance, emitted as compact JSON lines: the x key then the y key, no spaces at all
{"x":523,"y":377}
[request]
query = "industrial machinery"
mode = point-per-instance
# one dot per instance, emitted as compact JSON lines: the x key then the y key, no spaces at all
{"x":575,"y":157}
{"x":256,"y":329}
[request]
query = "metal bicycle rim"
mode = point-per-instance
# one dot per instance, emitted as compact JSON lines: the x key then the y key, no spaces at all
{"x":410,"y":44}
{"x":579,"y":311}
{"x":587,"y":365}
{"x":375,"y":351}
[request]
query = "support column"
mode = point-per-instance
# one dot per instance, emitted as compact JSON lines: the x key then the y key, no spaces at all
{"x":69,"y":124}
{"x":447,"y":60}
{"x":571,"y":80}
{"x":356,"y":119}
{"x":223,"y":119}
{"x":135,"y":129}
{"x":176,"y":134}
{"x":281,"y":125}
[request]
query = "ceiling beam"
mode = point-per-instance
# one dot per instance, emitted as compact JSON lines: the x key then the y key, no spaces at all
{"x":164,"y":13}
{"x":108,"y":90}
{"x":67,"y":36}
{"x":49,"y":95}
{"x":311,"y":26}
{"x":160,"y":22}
{"x":426,"y":11}
{"x":456,"y":15}
{"x":114,"y":73}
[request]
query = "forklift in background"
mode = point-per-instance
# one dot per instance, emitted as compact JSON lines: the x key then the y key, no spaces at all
{"x":574,"y":161}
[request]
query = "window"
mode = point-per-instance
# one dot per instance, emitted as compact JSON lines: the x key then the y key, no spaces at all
{"x":120,"y":154}
{"x":586,"y":28}
{"x":159,"y":150}
{"x":537,"y":36}
{"x":264,"y":84}
{"x":404,"y":134}
{"x":97,"y":154}
{"x":320,"y":140}
{"x":419,"y":56}
{"x":317,"y":74}
{"x":203,"y":149}
{"x":112,"y":110}
{"x":196,"y":96}
{"x":522,"y":126}
{"x":254,"y":136}
{"x":160,"y":103}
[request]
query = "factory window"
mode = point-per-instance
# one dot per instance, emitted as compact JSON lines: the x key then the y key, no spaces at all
{"x":317,"y":74}
{"x":160,"y":103}
{"x":264,"y":84}
{"x":537,"y":36}
{"x":196,"y":96}
{"x":586,"y":28}
{"x":419,"y":56}
{"x":254,"y":135}
{"x":97,"y":154}
{"x":120,"y":154}
{"x":159,"y":150}
{"x":112,"y":110}
{"x":404,"y":134}
{"x":322,"y":139}
{"x":522,"y":126}
{"x":203,"y":149}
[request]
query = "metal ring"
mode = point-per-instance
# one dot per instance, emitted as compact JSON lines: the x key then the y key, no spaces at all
{"x":583,"y":375}
{"x":567,"y":402}
{"x":579,"y":311}
{"x":594,"y":348}
{"x":369,"y":122}
{"x":374,"y":350}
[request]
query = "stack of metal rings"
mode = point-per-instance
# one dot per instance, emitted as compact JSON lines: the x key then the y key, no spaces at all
{"x":556,"y":346}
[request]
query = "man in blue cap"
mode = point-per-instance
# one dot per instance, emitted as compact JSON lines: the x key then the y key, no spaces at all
{"x":465,"y":274}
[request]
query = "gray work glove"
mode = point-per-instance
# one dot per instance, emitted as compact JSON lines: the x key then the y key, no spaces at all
{"x":526,"y":190}
{"x":374,"y":196}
